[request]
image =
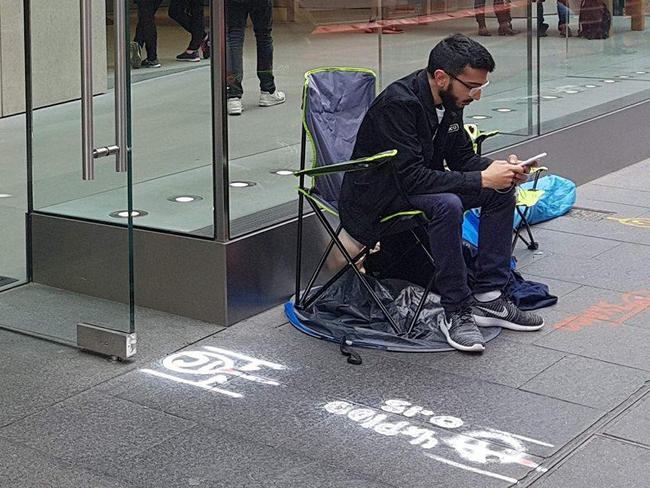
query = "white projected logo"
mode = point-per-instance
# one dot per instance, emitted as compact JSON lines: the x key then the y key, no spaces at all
{"x":212,"y":366}
{"x":475,"y":446}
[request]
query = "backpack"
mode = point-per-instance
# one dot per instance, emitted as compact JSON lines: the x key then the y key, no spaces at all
{"x":595,"y":20}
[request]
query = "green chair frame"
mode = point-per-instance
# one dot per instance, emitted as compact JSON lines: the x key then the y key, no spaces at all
{"x":320,"y":207}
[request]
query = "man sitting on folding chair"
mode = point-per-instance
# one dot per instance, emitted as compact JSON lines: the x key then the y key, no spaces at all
{"x":420,"y":116}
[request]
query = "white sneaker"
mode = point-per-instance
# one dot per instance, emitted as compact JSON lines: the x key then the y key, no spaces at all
{"x":269,"y":99}
{"x":234,"y":106}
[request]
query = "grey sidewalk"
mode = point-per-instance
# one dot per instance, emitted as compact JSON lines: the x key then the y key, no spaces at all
{"x":567,"y":406}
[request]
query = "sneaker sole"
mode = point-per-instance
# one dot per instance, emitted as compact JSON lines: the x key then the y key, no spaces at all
{"x":460,"y":347}
{"x":271,"y":104}
{"x":482,"y":321}
{"x":197,"y":60}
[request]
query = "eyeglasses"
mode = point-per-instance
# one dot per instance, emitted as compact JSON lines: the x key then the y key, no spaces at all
{"x":473,"y":90}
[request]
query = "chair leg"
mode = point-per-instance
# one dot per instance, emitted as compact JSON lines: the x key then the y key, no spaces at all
{"x":317,"y":270}
{"x":351,"y":263}
{"x":306,"y":302}
{"x":418,"y":310}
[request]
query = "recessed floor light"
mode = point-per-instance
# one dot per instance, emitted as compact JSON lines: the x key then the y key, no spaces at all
{"x":503,"y":109}
{"x":185,"y":198}
{"x":641,"y":72}
{"x":283,"y":172}
{"x":608,"y":81}
{"x":123,"y":214}
{"x":5,"y":195}
{"x":550,"y":97}
{"x":480,"y":117}
{"x":623,"y":76}
{"x":590,"y":86}
{"x":571,"y":92}
{"x":242,"y":184}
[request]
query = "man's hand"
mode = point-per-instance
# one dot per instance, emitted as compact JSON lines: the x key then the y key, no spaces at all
{"x":503,"y":174}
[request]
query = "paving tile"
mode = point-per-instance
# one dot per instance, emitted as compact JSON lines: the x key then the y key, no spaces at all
{"x":623,"y":268}
{"x":602,"y":462}
{"x":631,"y":177}
{"x":264,"y":413}
{"x":590,"y":200}
{"x":634,"y":425}
{"x":35,"y":374}
{"x":323,"y":475}
{"x":21,"y":467}
{"x":607,"y":341}
{"x":504,"y":362}
{"x":552,"y":316}
{"x":315,"y":370}
{"x":207,"y":458}
{"x":612,"y":192}
{"x":589,"y":304}
{"x":91,"y":430}
{"x":568,"y":244}
{"x":556,"y":287}
{"x":610,"y":227}
{"x":588,"y":382}
{"x":404,"y":452}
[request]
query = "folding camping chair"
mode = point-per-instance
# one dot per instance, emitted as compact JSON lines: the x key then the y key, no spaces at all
{"x":334,"y":103}
{"x":526,"y":198}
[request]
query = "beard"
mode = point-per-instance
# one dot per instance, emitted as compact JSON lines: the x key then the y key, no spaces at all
{"x":449,"y":100}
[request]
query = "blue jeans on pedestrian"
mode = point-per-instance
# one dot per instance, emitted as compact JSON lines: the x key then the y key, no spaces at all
{"x":261,"y":14}
{"x":562,"y":13}
{"x":445,"y":213}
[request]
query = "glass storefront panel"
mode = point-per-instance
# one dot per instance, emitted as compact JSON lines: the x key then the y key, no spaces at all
{"x":546,"y":77}
{"x":171,"y":108}
{"x":265,"y":140}
{"x":582,"y":77}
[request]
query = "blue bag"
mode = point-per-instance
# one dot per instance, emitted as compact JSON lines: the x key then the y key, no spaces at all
{"x":558,"y":198}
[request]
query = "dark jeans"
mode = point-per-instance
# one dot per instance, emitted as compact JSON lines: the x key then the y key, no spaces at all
{"x":261,"y":14}
{"x":445,"y":211}
{"x":562,"y":13}
{"x":145,"y":32}
{"x":189,"y":15}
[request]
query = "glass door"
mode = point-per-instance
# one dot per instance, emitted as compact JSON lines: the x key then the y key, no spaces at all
{"x":79,"y":277}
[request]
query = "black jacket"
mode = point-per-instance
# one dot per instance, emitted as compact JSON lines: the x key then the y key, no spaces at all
{"x":403,"y":117}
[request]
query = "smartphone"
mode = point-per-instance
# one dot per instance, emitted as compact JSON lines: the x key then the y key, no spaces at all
{"x":531,"y":161}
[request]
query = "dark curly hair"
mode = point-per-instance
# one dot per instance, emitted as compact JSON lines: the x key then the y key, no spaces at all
{"x":457,"y":51}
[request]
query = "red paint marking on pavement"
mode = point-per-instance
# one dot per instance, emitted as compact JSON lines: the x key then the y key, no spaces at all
{"x":632,"y":304}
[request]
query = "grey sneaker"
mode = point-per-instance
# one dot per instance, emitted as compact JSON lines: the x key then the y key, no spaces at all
{"x":135,"y":54}
{"x":501,"y":312}
{"x":269,"y":99}
{"x":461,"y":331}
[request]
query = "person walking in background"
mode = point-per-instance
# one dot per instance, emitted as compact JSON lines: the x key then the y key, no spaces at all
{"x":562,"y":19}
{"x":146,"y":35}
{"x":261,"y":14}
{"x":501,"y":10}
{"x":189,"y":15}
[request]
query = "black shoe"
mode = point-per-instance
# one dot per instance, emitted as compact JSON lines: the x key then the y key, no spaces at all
{"x":501,"y":312}
{"x":205,"y":47}
{"x":191,"y":56}
{"x":541,"y":30}
{"x":461,"y":331}
{"x":150,"y":63}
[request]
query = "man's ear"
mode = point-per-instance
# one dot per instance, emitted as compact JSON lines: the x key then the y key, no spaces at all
{"x":440,"y":78}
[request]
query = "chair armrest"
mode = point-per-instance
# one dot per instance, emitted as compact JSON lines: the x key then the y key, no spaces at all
{"x":352,"y":165}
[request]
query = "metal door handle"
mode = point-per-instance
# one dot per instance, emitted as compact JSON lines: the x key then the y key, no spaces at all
{"x":89,"y":153}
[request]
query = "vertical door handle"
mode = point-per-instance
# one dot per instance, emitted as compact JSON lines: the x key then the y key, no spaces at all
{"x":87,"y":126}
{"x":89,"y":153}
{"x":121,"y":113}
